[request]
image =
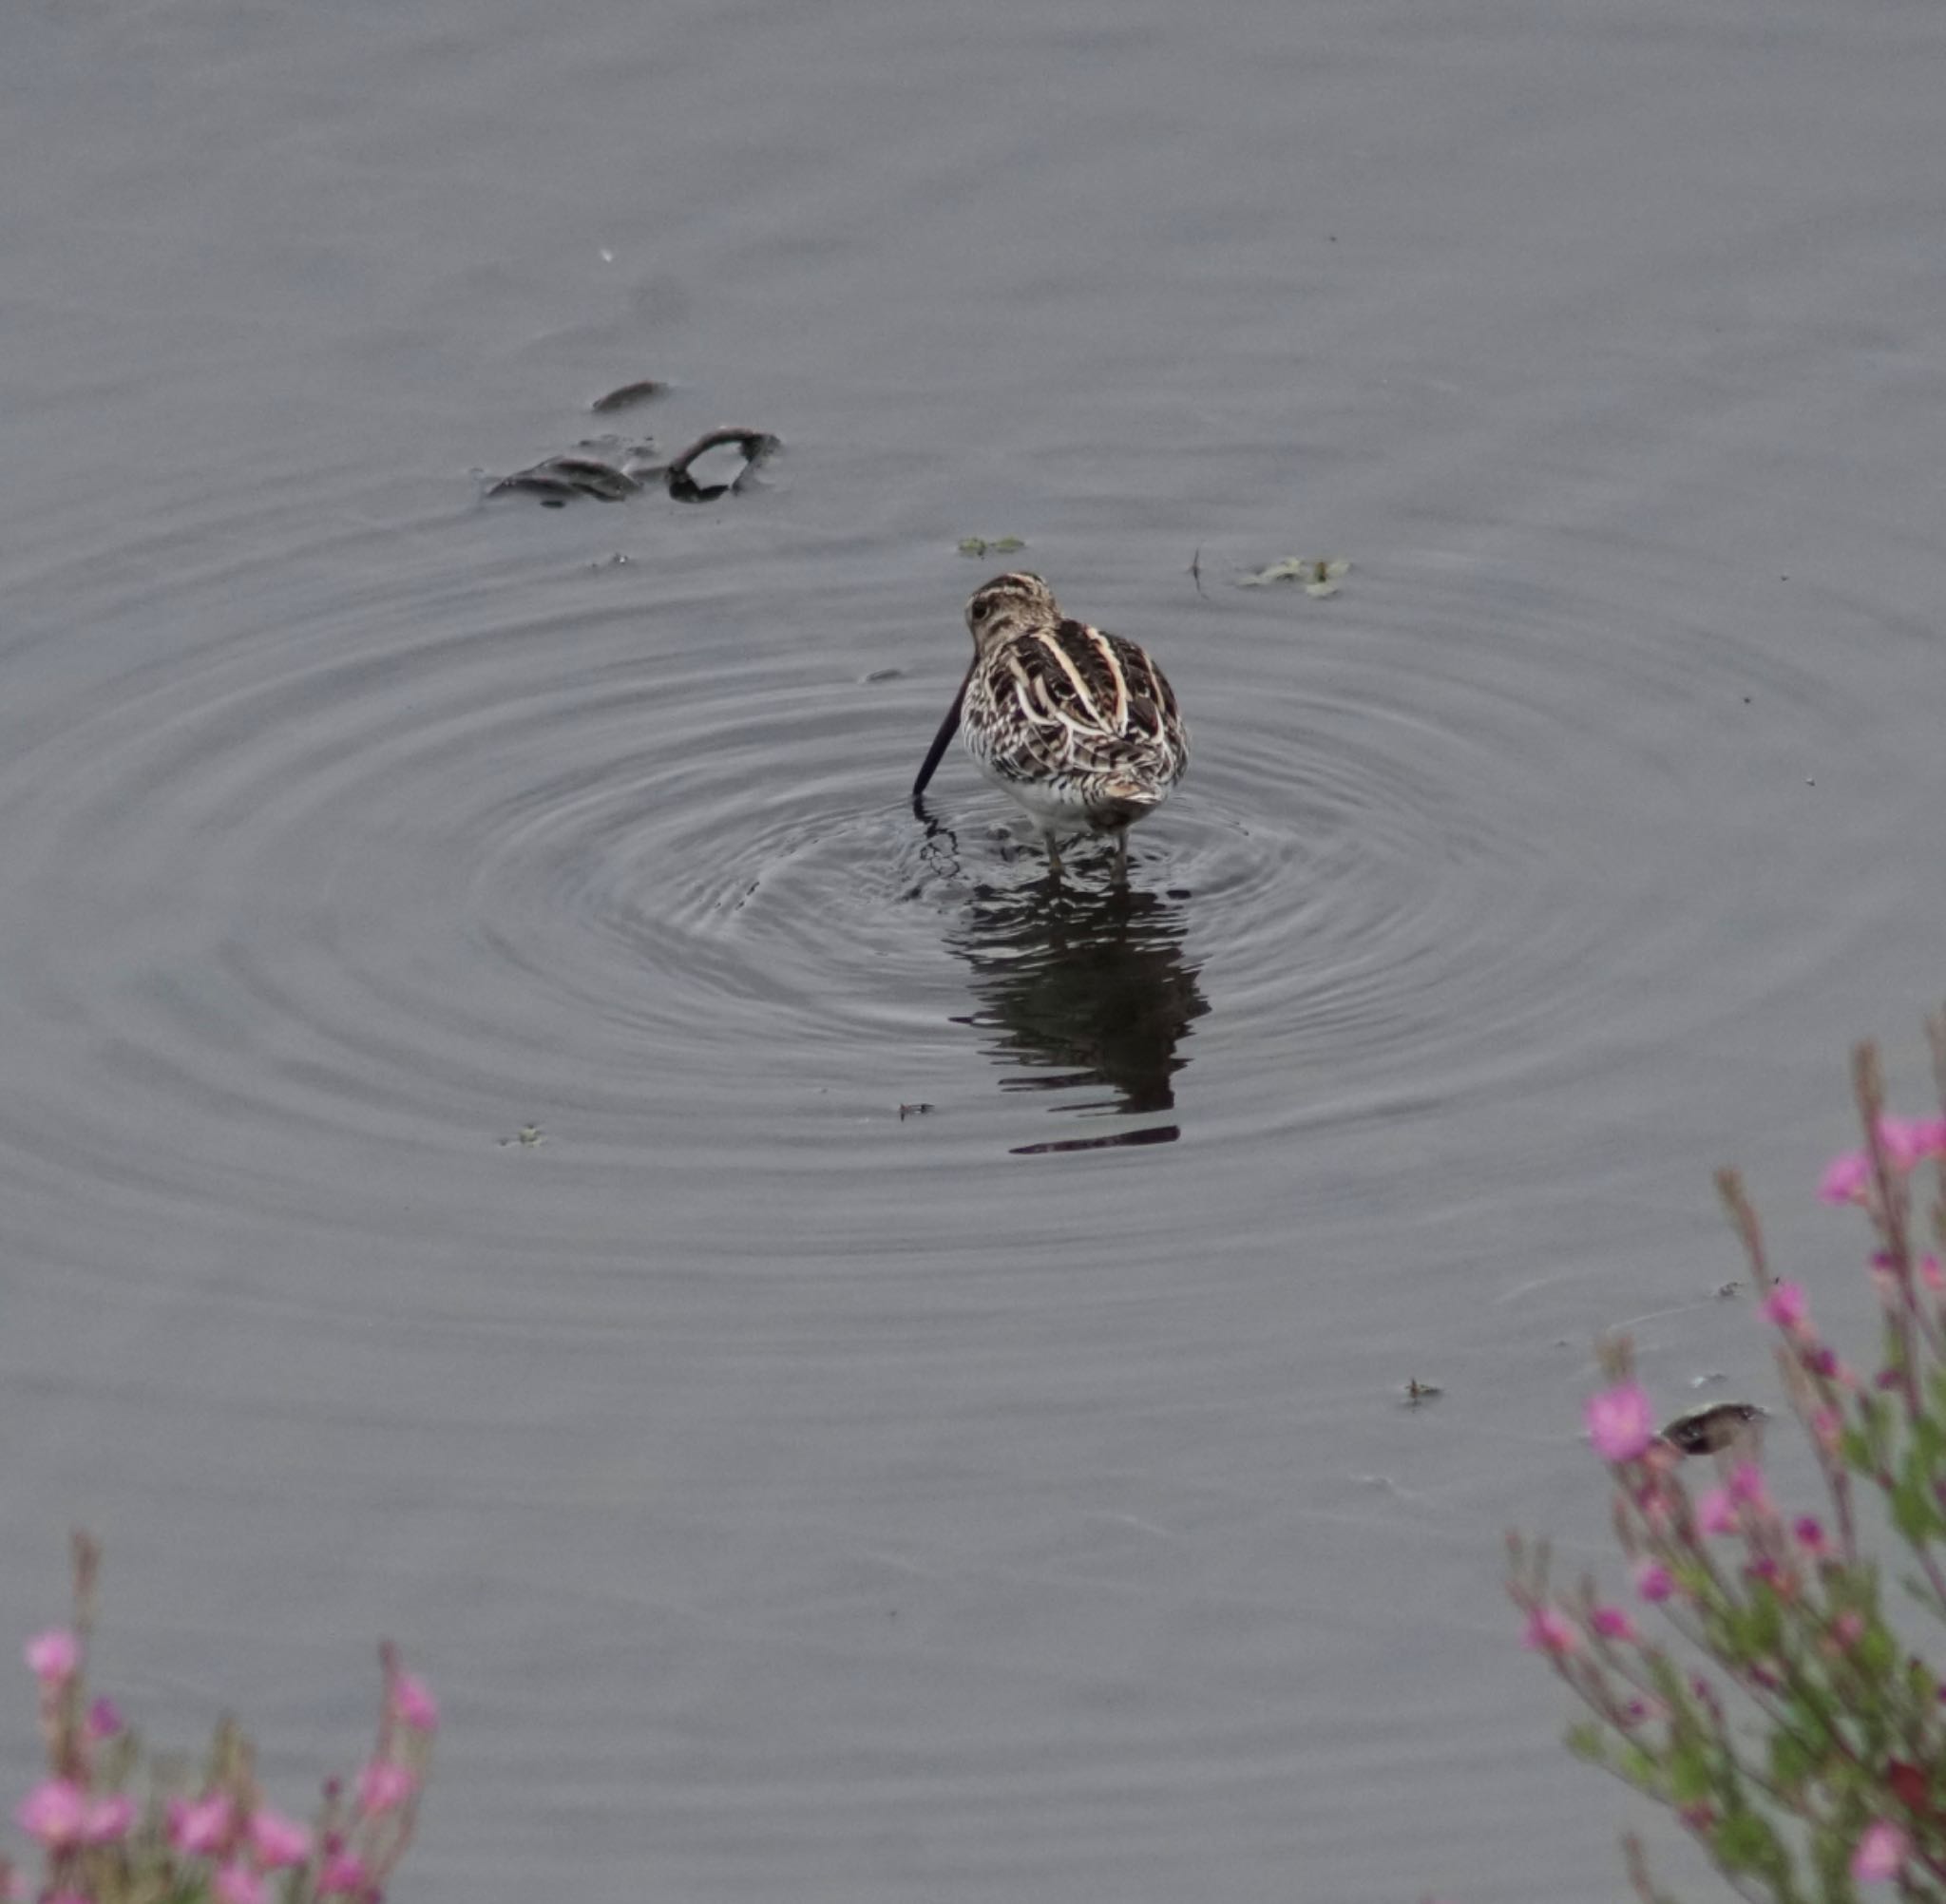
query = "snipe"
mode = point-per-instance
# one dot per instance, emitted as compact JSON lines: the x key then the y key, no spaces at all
{"x":1078,"y":726}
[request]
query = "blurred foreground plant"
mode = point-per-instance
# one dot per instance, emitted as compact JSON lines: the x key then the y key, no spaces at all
{"x":116,"y":1827}
{"x":1809,"y":1761}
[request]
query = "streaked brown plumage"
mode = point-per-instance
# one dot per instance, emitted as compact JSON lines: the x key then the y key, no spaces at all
{"x":1078,"y":726}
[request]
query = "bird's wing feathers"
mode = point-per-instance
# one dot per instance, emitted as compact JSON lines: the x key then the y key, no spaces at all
{"x":1087,"y":691}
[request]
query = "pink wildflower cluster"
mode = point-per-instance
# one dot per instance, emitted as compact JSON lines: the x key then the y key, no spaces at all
{"x":1620,"y":1423}
{"x":1784,"y":1607}
{"x":103,"y":1846}
{"x":1881,"y":1852}
{"x":1903,"y":1142}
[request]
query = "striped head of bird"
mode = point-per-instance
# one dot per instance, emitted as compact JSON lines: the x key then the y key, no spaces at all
{"x":1001,"y":608}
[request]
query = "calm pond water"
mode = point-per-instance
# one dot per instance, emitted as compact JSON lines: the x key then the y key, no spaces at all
{"x":464,"y":963}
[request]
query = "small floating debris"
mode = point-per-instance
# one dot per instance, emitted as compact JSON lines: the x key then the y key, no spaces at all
{"x":1713,"y":1427}
{"x":1316,"y":574}
{"x":1419,"y":1393}
{"x":627,"y":396}
{"x":1727,"y":1292}
{"x":984,"y":545}
{"x":913,"y":1110}
{"x":878,"y":675}
{"x":527,"y":1138}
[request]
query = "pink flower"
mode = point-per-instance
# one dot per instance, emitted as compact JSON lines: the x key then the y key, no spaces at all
{"x":235,"y":1883}
{"x":341,"y":1872}
{"x":412,"y":1700}
{"x":1786,"y":1305}
{"x":1825,"y":1361}
{"x":1848,"y":1630}
{"x":1653,"y":1581}
{"x":1549,"y":1631}
{"x":103,"y":1720}
{"x":1845,"y":1179}
{"x":108,"y":1819}
{"x":383,"y":1786}
{"x":1828,"y":1429}
{"x":1809,"y":1534}
{"x":277,"y":1840}
{"x":55,"y":1813}
{"x":1909,"y":1140}
{"x":1619,"y":1422}
{"x":1717,"y":1512}
{"x":204,"y":1826}
{"x":1746,"y":1485}
{"x":1880,"y":1850}
{"x":53,"y":1656}
{"x":1931,"y":1276}
{"x":1611,"y":1624}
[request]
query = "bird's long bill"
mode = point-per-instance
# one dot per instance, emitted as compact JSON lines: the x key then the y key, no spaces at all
{"x":943,"y":739}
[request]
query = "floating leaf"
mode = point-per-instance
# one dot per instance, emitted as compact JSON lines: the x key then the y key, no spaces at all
{"x":1315,"y":575}
{"x":979,"y":545}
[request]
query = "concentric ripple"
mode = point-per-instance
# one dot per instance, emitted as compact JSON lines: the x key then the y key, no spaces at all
{"x":622,"y":862}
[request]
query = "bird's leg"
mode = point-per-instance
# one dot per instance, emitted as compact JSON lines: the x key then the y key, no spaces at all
{"x":1121,"y":856}
{"x":1053,"y":855}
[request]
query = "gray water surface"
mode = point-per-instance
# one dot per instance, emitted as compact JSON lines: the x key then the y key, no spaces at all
{"x":1007,"y":1500}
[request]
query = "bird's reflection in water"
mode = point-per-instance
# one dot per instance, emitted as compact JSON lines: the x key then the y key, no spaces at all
{"x":1083,"y":984}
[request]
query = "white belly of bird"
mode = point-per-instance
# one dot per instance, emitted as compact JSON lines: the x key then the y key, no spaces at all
{"x":1054,"y":805}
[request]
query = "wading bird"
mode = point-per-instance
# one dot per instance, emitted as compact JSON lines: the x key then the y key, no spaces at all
{"x":1078,"y":726}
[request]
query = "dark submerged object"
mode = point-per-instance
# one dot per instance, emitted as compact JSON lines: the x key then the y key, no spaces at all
{"x":1709,"y":1429}
{"x":560,"y":479}
{"x":628,"y":396}
{"x":758,"y":447}
{"x":608,"y":470}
